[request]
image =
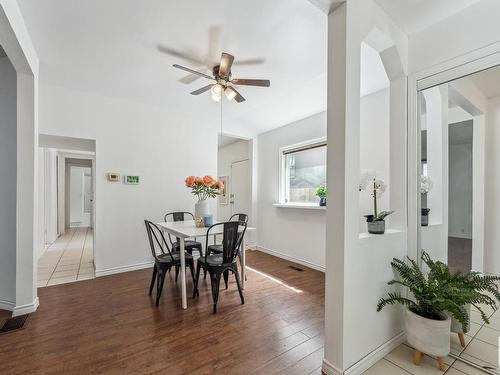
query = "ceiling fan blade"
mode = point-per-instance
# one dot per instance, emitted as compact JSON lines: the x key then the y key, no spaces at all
{"x":190,"y":78}
{"x":252,"y":82}
{"x":238,"y":98}
{"x":191,"y":71}
{"x":182,"y":55}
{"x":249,"y":62}
{"x":202,"y":90}
{"x":226,"y":61}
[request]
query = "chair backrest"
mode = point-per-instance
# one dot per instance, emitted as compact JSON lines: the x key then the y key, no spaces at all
{"x":232,"y":236}
{"x":242,"y":218}
{"x":177,"y":216}
{"x":157,"y":240}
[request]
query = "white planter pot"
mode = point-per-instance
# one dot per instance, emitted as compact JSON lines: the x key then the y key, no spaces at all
{"x":201,"y":208}
{"x":428,"y":336}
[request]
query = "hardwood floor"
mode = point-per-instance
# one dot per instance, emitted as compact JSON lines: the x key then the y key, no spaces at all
{"x":110,"y":325}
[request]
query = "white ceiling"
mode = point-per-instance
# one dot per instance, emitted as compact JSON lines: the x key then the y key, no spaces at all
{"x":110,"y":47}
{"x":488,"y":81}
{"x":413,"y":16}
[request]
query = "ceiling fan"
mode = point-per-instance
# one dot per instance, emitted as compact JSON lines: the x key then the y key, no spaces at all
{"x":224,"y":81}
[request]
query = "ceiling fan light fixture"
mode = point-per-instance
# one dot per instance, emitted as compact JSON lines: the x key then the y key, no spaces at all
{"x":215,"y":97}
{"x":230,"y":93}
{"x":217,"y":89}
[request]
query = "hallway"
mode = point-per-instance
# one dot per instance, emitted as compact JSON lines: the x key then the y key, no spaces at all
{"x":69,"y":258}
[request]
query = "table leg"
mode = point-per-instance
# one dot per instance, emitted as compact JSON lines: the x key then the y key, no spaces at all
{"x":183,"y":273}
{"x":243,"y":263}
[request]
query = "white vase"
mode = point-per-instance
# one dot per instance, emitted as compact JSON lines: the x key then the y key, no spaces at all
{"x":201,"y":208}
{"x":428,"y":336}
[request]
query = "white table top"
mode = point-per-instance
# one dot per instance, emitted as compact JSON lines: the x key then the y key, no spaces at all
{"x":187,"y":229}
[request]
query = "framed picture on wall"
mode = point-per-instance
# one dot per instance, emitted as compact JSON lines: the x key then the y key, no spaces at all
{"x":223,"y":197}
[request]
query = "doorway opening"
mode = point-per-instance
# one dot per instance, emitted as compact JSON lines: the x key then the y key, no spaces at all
{"x":67,"y":211}
{"x":234,"y":169}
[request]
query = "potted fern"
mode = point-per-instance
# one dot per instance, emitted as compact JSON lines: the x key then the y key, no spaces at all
{"x":475,"y":289}
{"x":321,"y":194}
{"x":438,"y":298}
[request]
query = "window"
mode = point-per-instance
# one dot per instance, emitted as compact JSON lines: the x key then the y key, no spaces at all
{"x":303,"y":170}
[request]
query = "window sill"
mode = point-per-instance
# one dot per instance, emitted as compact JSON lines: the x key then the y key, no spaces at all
{"x":300,"y":206}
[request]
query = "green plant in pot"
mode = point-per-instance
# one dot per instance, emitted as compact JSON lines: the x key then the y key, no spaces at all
{"x":375,"y":221}
{"x":436,"y":298}
{"x":321,"y":192}
{"x":475,"y":289}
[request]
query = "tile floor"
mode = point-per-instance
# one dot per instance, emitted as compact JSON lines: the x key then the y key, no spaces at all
{"x":481,"y":348}
{"x":68,"y":259}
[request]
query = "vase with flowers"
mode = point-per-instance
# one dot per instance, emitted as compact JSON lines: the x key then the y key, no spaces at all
{"x":203,"y":187}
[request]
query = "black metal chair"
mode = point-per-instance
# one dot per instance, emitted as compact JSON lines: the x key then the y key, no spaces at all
{"x":218,"y":265}
{"x":164,"y":258}
{"x":189,"y":245}
{"x":217,"y":248}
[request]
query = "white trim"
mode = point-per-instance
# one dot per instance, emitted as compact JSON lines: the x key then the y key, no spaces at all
{"x":460,"y":235}
{"x":316,"y":142}
{"x":371,"y":358}
{"x":7,"y":305}
{"x":302,"y":262}
{"x":367,"y":361}
{"x":26,"y":309}
{"x":302,"y":206}
{"x":131,"y":267}
{"x":330,"y":369}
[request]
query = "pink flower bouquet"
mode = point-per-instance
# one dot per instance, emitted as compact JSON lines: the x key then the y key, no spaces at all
{"x":204,"y":187}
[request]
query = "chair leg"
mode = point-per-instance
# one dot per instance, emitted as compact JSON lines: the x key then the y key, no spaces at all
{"x":195,"y":290}
{"x":159,"y":285}
{"x":152,"y":280}
{"x":204,"y":273}
{"x":226,"y":277}
{"x":191,"y":267}
{"x":238,"y":282}
{"x":215,"y":281}
{"x":176,"y":273}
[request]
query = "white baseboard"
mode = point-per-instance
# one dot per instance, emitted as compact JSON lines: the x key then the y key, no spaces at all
{"x":7,"y":305}
{"x":132,"y":267}
{"x":368,"y":361}
{"x":330,"y":369}
{"x":460,"y":235}
{"x":26,"y":309}
{"x":291,"y":259}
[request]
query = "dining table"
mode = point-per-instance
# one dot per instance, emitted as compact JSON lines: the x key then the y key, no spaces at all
{"x":188,"y":229}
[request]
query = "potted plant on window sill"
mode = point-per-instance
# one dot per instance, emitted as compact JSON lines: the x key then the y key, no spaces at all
{"x":375,"y":222}
{"x":321,"y":192}
{"x":439,"y":298}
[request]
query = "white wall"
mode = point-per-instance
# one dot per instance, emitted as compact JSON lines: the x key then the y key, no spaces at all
{"x":160,"y":145}
{"x":477,"y":26}
{"x":293,"y":233}
{"x":492,"y":188}
{"x":8,"y":160}
{"x":460,"y":190}
{"x":374,"y":149}
{"x":236,"y":151}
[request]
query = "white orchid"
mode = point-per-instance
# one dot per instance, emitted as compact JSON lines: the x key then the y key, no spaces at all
{"x":426,"y":184}
{"x":366,"y":179}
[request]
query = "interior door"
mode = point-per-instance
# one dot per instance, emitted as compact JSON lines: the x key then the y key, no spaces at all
{"x":240,"y":198}
{"x":76,"y":194}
